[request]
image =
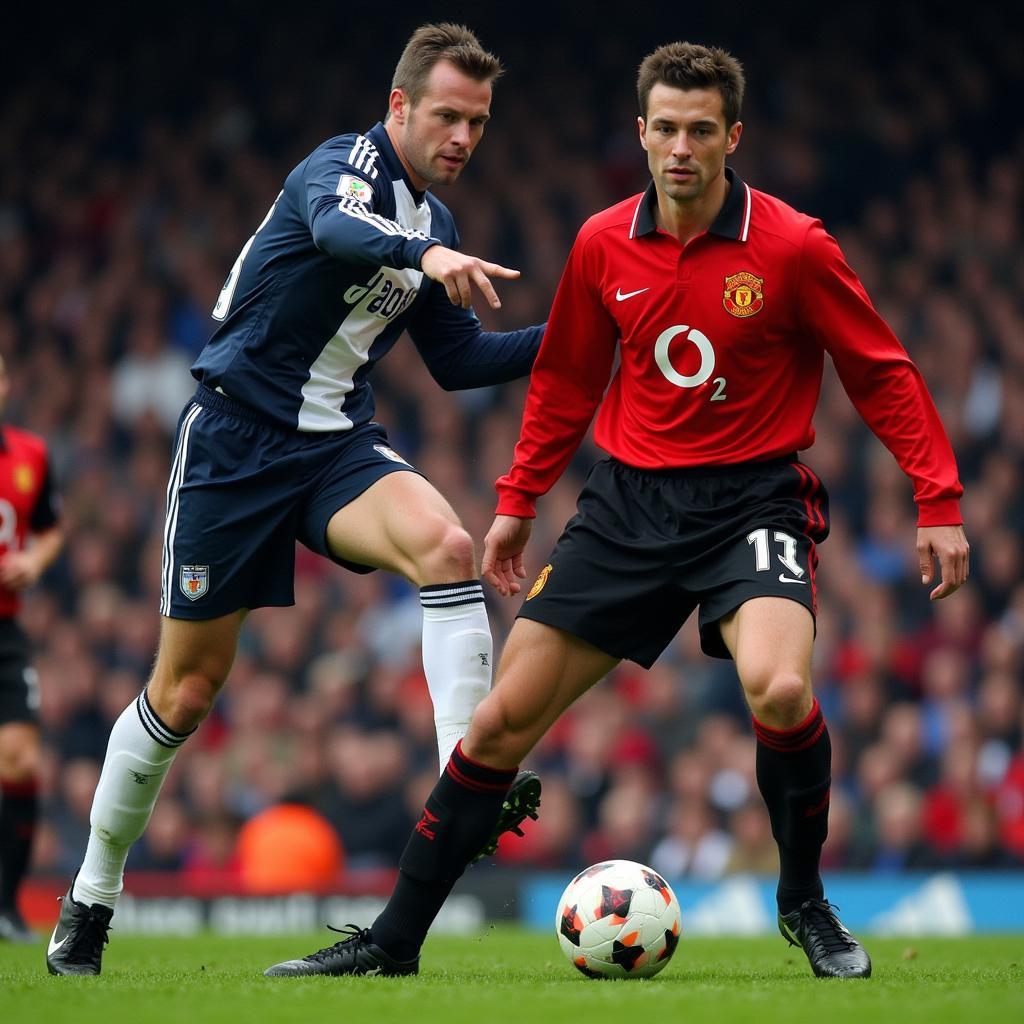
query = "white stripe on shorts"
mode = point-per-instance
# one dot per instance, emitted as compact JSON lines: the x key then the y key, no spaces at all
{"x":171,"y":521}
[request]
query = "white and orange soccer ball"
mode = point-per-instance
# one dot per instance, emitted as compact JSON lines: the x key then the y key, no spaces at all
{"x":618,"y":919}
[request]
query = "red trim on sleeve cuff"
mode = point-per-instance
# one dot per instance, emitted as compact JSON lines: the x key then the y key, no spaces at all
{"x":944,"y":512}
{"x":515,"y":503}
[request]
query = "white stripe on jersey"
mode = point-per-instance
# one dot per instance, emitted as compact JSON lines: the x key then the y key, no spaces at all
{"x":364,"y":156}
{"x":636,"y":217}
{"x":745,"y":230}
{"x":353,"y":156}
{"x":171,"y":521}
{"x":331,"y":375}
{"x":354,"y":208}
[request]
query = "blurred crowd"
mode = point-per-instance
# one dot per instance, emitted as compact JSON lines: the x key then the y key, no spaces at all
{"x":126,"y":191}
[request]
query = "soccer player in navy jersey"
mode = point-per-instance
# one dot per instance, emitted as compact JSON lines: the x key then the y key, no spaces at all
{"x":720,"y":302}
{"x":279,"y":444}
{"x":31,"y":538}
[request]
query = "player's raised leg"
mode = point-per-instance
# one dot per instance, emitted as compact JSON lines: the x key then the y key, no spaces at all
{"x":543,"y":670}
{"x":193,"y":661}
{"x":404,"y":525}
{"x":770,"y":639}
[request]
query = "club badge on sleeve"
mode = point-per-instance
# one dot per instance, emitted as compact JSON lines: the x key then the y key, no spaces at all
{"x":351,"y":187}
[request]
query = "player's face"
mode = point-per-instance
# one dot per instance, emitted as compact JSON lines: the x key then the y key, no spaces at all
{"x":687,"y":140}
{"x":437,"y":135}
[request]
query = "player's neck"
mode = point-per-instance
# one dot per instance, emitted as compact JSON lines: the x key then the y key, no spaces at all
{"x":687,"y":219}
{"x":420,"y":184}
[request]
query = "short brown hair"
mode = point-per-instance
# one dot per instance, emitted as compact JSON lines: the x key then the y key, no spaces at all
{"x":690,"y":66}
{"x":447,"y":41}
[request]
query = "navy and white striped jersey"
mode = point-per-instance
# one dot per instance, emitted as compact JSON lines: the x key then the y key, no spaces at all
{"x":327,"y":284}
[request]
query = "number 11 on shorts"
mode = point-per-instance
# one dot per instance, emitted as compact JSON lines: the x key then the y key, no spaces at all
{"x":762,"y":553}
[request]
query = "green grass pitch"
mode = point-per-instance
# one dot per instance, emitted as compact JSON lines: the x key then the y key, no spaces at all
{"x":509,"y":974}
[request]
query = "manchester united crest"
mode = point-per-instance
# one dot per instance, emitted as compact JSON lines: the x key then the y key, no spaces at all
{"x":194,"y":581}
{"x":24,"y":478}
{"x":743,"y":294}
{"x":538,"y":585}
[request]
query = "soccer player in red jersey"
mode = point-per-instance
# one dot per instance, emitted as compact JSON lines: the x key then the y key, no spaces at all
{"x":30,"y":539}
{"x":720,"y":302}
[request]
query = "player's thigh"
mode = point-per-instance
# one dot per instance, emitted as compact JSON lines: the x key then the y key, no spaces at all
{"x":543,"y":670}
{"x":771,"y":640}
{"x":20,"y":751}
{"x":399,"y":522}
{"x":198,"y":653}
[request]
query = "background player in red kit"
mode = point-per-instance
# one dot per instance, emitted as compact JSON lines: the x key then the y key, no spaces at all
{"x":720,"y":302}
{"x":30,"y":539}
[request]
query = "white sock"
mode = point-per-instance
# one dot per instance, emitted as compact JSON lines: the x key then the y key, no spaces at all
{"x":457,"y":654}
{"x":139,"y":753}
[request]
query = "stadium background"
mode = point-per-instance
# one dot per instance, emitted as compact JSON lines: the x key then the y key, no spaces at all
{"x":136,"y":157}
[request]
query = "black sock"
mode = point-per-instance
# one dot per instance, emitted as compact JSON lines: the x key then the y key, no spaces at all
{"x":794,"y":774}
{"x":19,"y":810}
{"x":458,"y":818}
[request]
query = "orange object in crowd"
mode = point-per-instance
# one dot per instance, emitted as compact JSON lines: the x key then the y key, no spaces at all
{"x":288,"y":848}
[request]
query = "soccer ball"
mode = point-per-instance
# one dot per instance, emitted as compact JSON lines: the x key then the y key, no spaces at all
{"x":618,"y":919}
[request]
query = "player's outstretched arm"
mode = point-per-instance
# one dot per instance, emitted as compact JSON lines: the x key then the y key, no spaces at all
{"x":949,"y":545}
{"x":504,"y":544}
{"x":457,"y":272}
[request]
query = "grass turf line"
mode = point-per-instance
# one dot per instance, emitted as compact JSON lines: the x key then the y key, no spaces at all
{"x":510,"y":974}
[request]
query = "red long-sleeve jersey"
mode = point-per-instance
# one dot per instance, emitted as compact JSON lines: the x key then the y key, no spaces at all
{"x":721,"y":347}
{"x":26,"y":497}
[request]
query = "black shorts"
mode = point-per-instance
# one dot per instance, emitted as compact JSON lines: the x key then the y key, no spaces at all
{"x":647,"y":547}
{"x":19,"y":684}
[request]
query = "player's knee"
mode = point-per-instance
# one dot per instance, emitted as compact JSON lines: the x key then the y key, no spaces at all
{"x":783,"y":699}
{"x":493,"y":737}
{"x":184,"y":703}
{"x":448,"y":557}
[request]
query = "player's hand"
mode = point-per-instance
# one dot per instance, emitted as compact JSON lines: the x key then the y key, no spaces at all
{"x":457,"y":271}
{"x":949,"y":545}
{"x":504,"y":544}
{"x":18,"y":570}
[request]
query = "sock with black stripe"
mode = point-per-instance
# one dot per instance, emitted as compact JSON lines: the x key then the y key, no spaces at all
{"x":139,"y":754}
{"x":458,"y":818}
{"x":457,"y":652}
{"x":794,"y":774}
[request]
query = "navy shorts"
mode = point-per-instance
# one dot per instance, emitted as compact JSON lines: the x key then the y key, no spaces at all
{"x":648,"y":547}
{"x":242,"y":491}
{"x":19,"y":684}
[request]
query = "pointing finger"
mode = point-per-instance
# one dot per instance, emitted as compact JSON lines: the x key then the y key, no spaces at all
{"x":497,"y":270}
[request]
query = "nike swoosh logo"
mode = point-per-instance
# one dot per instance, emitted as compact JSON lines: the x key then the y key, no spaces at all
{"x":783,"y":578}
{"x":621,"y":296}
{"x":54,"y":946}
{"x":370,"y":974}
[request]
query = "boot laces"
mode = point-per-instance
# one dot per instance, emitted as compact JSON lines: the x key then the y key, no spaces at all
{"x":92,"y":932}
{"x":820,"y":918}
{"x":354,"y":937}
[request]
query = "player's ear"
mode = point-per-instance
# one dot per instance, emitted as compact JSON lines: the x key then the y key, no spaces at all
{"x":398,"y":105}
{"x":734,"y":137}
{"x":642,"y":129}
